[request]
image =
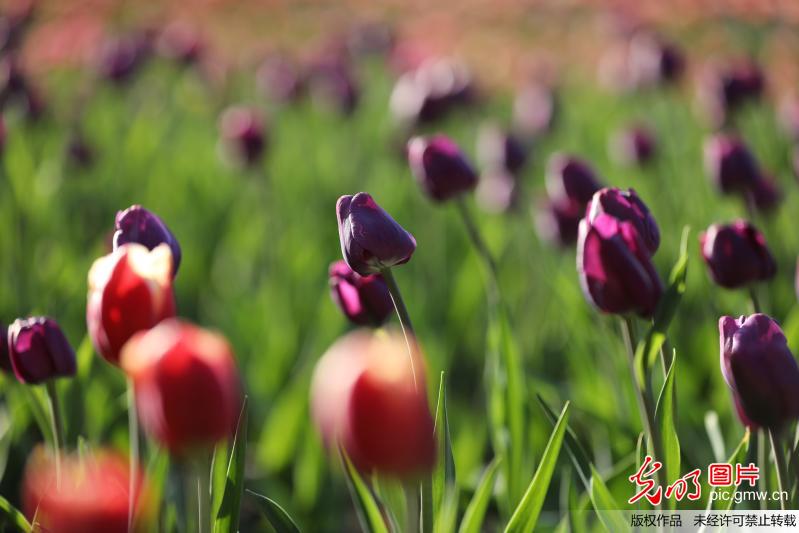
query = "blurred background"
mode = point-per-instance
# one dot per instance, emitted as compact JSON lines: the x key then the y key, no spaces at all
{"x":111,"y":103}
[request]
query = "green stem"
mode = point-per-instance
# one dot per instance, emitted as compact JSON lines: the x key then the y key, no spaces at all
{"x":479,"y":243}
{"x":755,"y":301}
{"x":58,"y":427}
{"x":782,"y":469}
{"x":645,"y":404}
{"x":133,"y":438}
{"x":404,"y":318}
{"x":412,"y":497}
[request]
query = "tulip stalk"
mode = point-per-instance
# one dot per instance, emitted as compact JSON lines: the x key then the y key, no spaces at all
{"x":782,"y":468}
{"x":197,"y":477}
{"x":57,"y":425}
{"x":479,"y":244}
{"x":133,"y":437}
{"x":403,"y":315}
{"x":412,"y":495}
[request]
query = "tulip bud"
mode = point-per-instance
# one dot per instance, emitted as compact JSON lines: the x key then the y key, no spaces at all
{"x":138,"y":225}
{"x":729,"y":163}
{"x":440,"y":167}
{"x":557,"y":221}
{"x":370,"y":239}
{"x":570,"y":179}
{"x":764,"y":194}
{"x":728,"y":89}
{"x":736,"y":254}
{"x":130,"y":290}
{"x":653,"y":61}
{"x":634,"y":146}
{"x":333,"y":86}
{"x":93,"y":494}
{"x":186,"y":384}
{"x":79,"y":153}
{"x":242,"y":135}
{"x":180,"y":42}
{"x":626,"y":206}
{"x":279,"y":79}
{"x":614,"y":265}
{"x":498,"y":149}
{"x":759,"y":368}
{"x":369,"y":396}
{"x":118,"y":59}
{"x":498,"y":190}
{"x":365,"y":300}
{"x":39,"y":351}
{"x":535,"y":109}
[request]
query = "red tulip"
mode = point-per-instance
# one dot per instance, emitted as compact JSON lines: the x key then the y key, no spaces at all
{"x":369,"y":395}
{"x":186,"y":384}
{"x":130,"y":290}
{"x":93,"y":495}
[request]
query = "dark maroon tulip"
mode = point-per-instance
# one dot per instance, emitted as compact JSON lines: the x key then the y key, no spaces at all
{"x":79,"y":152}
{"x":498,"y":190}
{"x":370,"y":239}
{"x":626,"y":206}
{"x":615,"y":269}
{"x":570,"y":179}
{"x":653,"y":61}
{"x":13,"y":81}
{"x":39,"y":351}
{"x":726,"y":90}
{"x":365,"y":300}
{"x":634,"y":146}
{"x":5,"y":361}
{"x":333,"y":86}
{"x":430,"y":91}
{"x":14,"y":24}
{"x":500,"y":149}
{"x":242,"y":135}
{"x":736,"y":254}
{"x":759,"y":368}
{"x":137,"y":224}
{"x":440,"y":167}
{"x":180,"y":42}
{"x":730,"y":165}
{"x":557,"y":221}
{"x":535,"y":110}
{"x":280,"y":79}
{"x":119,"y":59}
{"x":764,"y":194}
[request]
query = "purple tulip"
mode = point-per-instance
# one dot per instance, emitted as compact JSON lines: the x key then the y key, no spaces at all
{"x":788,"y":116}
{"x":440,"y":167}
{"x":764,"y":194}
{"x":570,"y":179}
{"x":626,"y":206}
{"x":615,"y":269}
{"x":430,"y":91}
{"x":364,"y":300}
{"x":119,"y":59}
{"x":137,"y":224}
{"x":182,"y":43}
{"x":557,"y":222}
{"x":242,"y":135}
{"x":726,"y":90}
{"x":736,"y":254}
{"x":535,"y":110}
{"x":39,"y":351}
{"x":498,"y":190}
{"x":333,"y":86}
{"x":653,"y":61}
{"x":729,"y":163}
{"x":370,"y":239}
{"x":280,"y":79}
{"x":500,"y":149}
{"x":79,"y":153}
{"x":634,"y":146}
{"x":759,"y":368}
{"x":14,"y":24}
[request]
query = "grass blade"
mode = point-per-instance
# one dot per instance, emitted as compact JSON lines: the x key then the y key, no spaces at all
{"x":12,"y":516}
{"x":665,"y":418}
{"x":227,"y":517}
{"x":366,"y":506}
{"x":277,"y":517}
{"x":576,"y":451}
{"x":525,"y":516}
{"x":475,"y":512}
{"x":738,"y":456}
{"x":444,"y":473}
{"x":607,"y":509}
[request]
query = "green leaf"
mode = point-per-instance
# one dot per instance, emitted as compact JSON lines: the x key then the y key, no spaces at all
{"x":606,"y":507}
{"x":525,"y":516}
{"x":227,"y":516}
{"x":576,"y":450}
{"x":287,"y":418}
{"x":726,"y":503}
{"x":506,"y":397}
{"x":444,"y":473}
{"x":366,"y":506}
{"x":12,"y":516}
{"x":277,"y":517}
{"x":647,"y":350}
{"x":40,"y":408}
{"x":665,"y":418}
{"x":447,"y":514}
{"x":714,"y":435}
{"x":475,"y":512}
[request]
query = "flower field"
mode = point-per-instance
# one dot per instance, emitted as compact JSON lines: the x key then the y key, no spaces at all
{"x":360,"y":290}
